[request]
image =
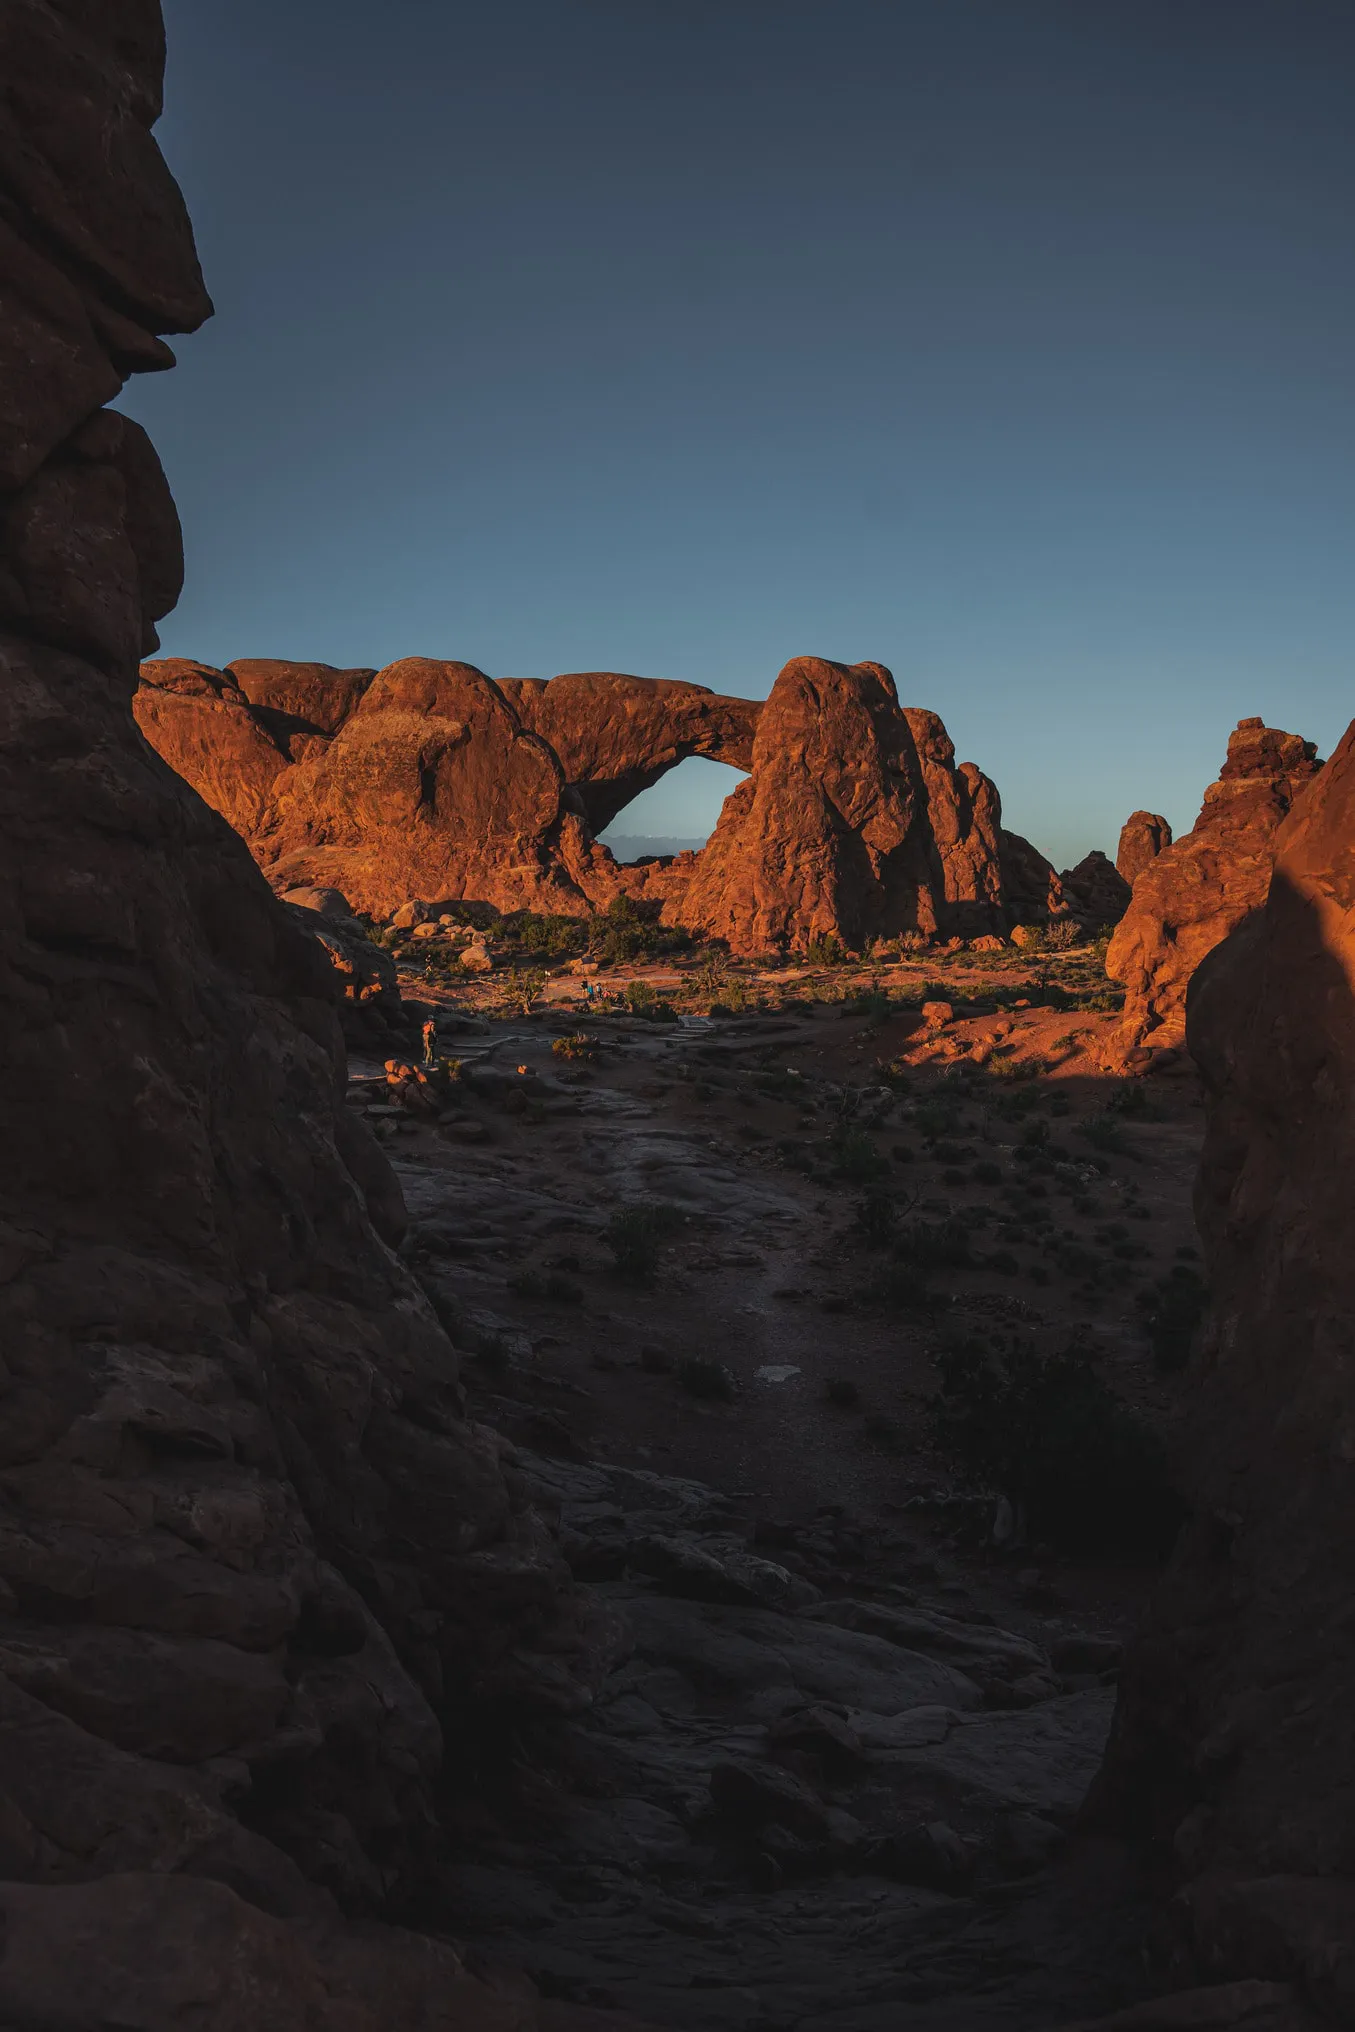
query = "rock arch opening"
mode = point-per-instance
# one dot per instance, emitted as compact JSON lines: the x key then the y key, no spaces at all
{"x":677,"y":812}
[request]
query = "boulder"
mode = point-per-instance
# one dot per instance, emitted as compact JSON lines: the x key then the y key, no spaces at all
{"x":1193,"y":893}
{"x":1143,"y":836}
{"x":1233,"y":1746}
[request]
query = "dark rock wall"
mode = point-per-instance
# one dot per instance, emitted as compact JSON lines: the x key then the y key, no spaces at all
{"x":1235,"y":1740}
{"x":252,"y":1556}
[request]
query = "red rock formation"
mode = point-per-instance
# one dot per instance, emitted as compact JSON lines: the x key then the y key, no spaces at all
{"x":964,"y":815}
{"x":430,"y":781}
{"x":1143,"y":836}
{"x":1095,"y":889}
{"x":1194,"y":892}
{"x":828,"y":835}
{"x":250,"y":1549}
{"x":1235,"y":1744}
{"x":1031,"y":890}
{"x":616,"y":736}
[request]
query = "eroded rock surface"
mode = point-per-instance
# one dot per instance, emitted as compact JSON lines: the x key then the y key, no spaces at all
{"x":1096,"y":889}
{"x":252,"y":1555}
{"x":1234,"y":1743}
{"x":1143,"y":836}
{"x":1192,"y":894}
{"x":615,"y":736}
{"x":431,"y":781}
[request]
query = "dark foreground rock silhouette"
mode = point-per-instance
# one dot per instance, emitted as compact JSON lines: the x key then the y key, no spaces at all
{"x":1190,"y":895}
{"x":253,"y":1559}
{"x":1235,"y":1744}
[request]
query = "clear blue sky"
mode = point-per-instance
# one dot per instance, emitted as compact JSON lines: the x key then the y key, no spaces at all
{"x":1008,"y":342}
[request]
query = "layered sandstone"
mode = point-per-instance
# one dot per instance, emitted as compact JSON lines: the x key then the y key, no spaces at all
{"x":1143,"y":836}
{"x":254,"y":1561}
{"x":1234,"y":1745}
{"x":1187,"y":899}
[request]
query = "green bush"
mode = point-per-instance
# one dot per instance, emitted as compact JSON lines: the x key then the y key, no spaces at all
{"x":634,"y":1235}
{"x":1044,"y":1431}
{"x":825,"y":949}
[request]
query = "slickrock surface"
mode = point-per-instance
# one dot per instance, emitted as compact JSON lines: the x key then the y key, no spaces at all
{"x":616,"y":736}
{"x":1143,"y":836}
{"x":1234,"y":1743}
{"x":250,"y":1548}
{"x":1193,"y":893}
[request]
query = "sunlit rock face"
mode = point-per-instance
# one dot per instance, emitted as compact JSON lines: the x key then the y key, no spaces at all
{"x":1235,"y":1745}
{"x":250,"y":1547}
{"x":1190,"y":895}
{"x":431,"y":781}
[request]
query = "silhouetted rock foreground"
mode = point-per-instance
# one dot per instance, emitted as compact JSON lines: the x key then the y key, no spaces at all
{"x":1235,"y":1743}
{"x":253,"y":1559}
{"x":428,"y":780}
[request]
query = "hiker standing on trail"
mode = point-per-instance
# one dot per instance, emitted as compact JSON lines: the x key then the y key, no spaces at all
{"x":430,"y":1038}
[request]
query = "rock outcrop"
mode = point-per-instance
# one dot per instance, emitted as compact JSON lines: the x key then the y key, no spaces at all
{"x":1193,"y":893}
{"x":430,"y":780}
{"x":1095,"y":889}
{"x":1234,"y":1745}
{"x":253,"y":1559}
{"x":1143,"y":836}
{"x":615,"y":736}
{"x":828,"y":836}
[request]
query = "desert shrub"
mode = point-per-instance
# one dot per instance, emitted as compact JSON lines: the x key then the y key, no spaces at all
{"x":1104,"y":1133}
{"x":578,"y":1044}
{"x":987,"y":1173}
{"x":628,"y":930}
{"x":883,"y":1432}
{"x":634,"y":1235}
{"x":840,"y":1391}
{"x":1133,"y":1103}
{"x":936,"y":1118}
{"x":874,"y":1004}
{"x":1044,"y":1431}
{"x":903,"y":1284}
{"x":543,"y":932}
{"x":825,"y":949}
{"x":1062,"y":935}
{"x":645,"y":1000}
{"x":854,"y":1156}
{"x":934,"y":1245}
{"x":701,"y":1377}
{"x":876,"y":1215}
